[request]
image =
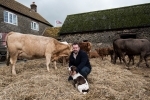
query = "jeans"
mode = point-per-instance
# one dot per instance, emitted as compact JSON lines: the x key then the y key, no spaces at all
{"x":84,"y":72}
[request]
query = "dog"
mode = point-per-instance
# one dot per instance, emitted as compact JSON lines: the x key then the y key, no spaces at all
{"x":79,"y":81}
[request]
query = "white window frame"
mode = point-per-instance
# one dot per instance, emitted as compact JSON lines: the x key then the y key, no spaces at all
{"x":10,"y":18}
{"x":34,"y":26}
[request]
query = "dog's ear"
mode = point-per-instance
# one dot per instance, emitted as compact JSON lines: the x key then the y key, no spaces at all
{"x":73,"y":68}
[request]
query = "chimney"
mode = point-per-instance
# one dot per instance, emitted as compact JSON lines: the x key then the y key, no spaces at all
{"x":33,"y":6}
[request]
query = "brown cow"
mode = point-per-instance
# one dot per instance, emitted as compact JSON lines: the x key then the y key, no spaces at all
{"x":62,"y":59}
{"x":94,"y":54}
{"x":31,"y":46}
{"x":104,"y":52}
{"x":85,"y":46}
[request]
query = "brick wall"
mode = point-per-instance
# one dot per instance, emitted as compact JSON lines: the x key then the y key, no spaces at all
{"x":24,"y":24}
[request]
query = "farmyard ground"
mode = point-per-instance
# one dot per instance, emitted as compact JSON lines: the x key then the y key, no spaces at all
{"x":107,"y":82}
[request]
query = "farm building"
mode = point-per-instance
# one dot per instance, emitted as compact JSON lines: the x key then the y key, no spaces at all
{"x":106,"y":25}
{"x":14,"y":16}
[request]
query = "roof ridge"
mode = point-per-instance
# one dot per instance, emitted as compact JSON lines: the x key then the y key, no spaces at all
{"x":110,"y":9}
{"x":24,"y":10}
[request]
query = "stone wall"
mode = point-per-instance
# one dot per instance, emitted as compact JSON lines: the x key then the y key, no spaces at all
{"x":24,"y":24}
{"x":105,"y":38}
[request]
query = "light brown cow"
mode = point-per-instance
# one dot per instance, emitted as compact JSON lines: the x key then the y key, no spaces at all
{"x":31,"y":47}
{"x":62,"y":59}
{"x":85,"y":46}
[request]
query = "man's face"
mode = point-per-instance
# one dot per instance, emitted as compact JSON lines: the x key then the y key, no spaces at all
{"x":76,"y":49}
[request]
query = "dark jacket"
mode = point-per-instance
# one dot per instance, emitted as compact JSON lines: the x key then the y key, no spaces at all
{"x":81,"y":60}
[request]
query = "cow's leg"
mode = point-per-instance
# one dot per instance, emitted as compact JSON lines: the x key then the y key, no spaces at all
{"x":129,"y":57}
{"x":140,"y":60}
{"x":55,"y":64}
{"x":102,"y":57}
{"x":12,"y":64}
{"x":145,"y":58}
{"x":114,"y":58}
{"x":48,"y":60}
{"x":132,"y":57}
{"x":120,"y":59}
{"x":111,"y":56}
{"x":123,"y":58}
{"x":64,"y":61}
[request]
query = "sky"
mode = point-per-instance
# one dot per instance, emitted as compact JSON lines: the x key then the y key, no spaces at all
{"x":53,"y":10}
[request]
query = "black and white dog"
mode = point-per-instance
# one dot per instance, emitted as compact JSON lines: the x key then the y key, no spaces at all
{"x":79,"y":81}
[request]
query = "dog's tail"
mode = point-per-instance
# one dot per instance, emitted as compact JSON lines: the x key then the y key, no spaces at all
{"x":85,"y":91}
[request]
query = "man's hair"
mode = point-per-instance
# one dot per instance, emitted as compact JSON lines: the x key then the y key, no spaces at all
{"x":75,"y":43}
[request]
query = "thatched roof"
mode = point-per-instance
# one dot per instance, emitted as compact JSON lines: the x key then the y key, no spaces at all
{"x":21,"y":9}
{"x":118,"y":18}
{"x":52,"y":32}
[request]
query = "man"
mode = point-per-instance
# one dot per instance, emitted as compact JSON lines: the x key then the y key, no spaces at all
{"x":79,"y":59}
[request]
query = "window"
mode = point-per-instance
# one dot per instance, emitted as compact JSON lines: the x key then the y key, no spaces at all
{"x":10,"y":18}
{"x":34,"y":26}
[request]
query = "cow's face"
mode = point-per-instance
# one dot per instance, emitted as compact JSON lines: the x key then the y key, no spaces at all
{"x":75,"y":48}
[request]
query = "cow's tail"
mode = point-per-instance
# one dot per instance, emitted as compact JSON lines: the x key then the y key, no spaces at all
{"x":8,"y":56}
{"x":114,"y":46}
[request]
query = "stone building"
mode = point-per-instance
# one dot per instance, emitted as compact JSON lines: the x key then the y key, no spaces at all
{"x":14,"y":16}
{"x":106,"y":25}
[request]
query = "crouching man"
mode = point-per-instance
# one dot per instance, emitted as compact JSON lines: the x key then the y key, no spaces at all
{"x":79,"y":59}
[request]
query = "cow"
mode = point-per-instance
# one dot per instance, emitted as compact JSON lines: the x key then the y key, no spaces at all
{"x":114,"y":58}
{"x":62,"y":59}
{"x":105,"y":52}
{"x":94,"y":54}
{"x":132,"y":47}
{"x":31,"y":47}
{"x":85,"y":46}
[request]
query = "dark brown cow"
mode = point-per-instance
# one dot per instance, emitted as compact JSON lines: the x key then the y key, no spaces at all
{"x":31,"y":47}
{"x":132,"y":47}
{"x":113,"y":59}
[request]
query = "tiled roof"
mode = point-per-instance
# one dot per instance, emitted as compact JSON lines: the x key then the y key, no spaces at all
{"x":52,"y":32}
{"x":20,"y":8}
